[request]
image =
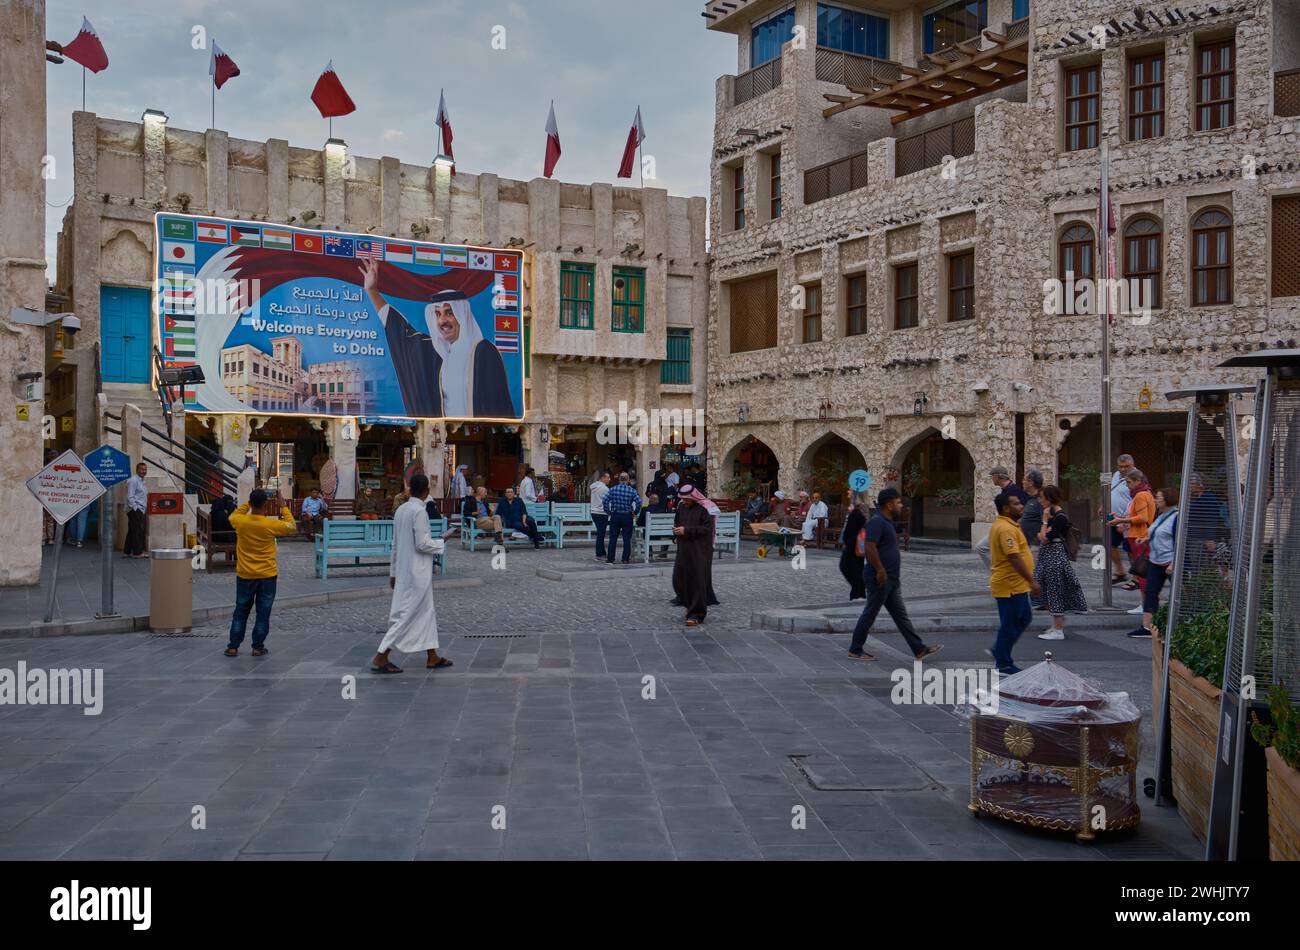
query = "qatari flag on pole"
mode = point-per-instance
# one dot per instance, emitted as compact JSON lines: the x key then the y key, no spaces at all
{"x":634,"y":140}
{"x":329,"y":95}
{"x":552,"y":142}
{"x":86,"y":49}
{"x":221,"y":67}
{"x":443,"y":122}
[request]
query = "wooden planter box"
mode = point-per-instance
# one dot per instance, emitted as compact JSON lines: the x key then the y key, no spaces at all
{"x":1194,"y":733}
{"x":1283,"y":809}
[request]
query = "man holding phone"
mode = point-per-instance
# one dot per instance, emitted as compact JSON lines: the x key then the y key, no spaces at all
{"x":256,"y":567}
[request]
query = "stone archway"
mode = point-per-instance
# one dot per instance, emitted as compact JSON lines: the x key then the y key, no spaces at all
{"x":750,"y":463}
{"x":937,"y":476}
{"x":826,"y":463}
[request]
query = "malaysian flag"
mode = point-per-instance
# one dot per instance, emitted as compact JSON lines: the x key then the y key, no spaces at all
{"x":370,"y":250}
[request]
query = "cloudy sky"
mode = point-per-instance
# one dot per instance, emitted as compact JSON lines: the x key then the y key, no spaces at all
{"x":598,"y":59}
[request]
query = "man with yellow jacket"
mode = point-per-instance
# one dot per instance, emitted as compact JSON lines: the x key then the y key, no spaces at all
{"x":256,"y":568}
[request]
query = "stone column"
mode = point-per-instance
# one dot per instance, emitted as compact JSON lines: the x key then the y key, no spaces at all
{"x":341,"y":437}
{"x":218,"y":168}
{"x":277,"y":180}
{"x":489,"y":210}
{"x":86,"y":217}
{"x":440,"y":186}
{"x":390,"y":177}
{"x":336,"y":171}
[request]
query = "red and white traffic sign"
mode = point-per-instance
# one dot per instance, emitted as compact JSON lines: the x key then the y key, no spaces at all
{"x":65,"y":486}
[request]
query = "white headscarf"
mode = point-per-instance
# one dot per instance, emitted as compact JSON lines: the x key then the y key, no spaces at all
{"x":457,"y":382}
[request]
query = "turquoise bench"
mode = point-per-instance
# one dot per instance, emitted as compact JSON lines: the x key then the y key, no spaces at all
{"x":657,"y":534}
{"x":727,"y":536}
{"x":547,"y":526}
{"x":471,"y":536}
{"x":574,"y":520}
{"x":365,"y":539}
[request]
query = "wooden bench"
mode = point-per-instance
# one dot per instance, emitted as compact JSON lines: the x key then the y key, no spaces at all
{"x":573,"y":519}
{"x":211,"y":547}
{"x":366,"y":539}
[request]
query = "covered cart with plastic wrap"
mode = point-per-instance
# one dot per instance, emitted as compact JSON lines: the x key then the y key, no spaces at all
{"x":1052,"y":750}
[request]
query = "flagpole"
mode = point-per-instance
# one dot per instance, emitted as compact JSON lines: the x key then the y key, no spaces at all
{"x":1103,"y":233}
{"x":639,"y":158}
{"x":213,"y":81}
{"x":83,"y":88}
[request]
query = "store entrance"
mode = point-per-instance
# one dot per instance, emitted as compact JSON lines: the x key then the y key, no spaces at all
{"x":290,"y":455}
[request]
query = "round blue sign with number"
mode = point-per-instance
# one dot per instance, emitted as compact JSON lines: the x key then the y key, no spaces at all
{"x":860,"y":480}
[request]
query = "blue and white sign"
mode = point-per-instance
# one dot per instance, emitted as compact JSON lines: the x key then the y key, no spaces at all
{"x":109,"y":465}
{"x":860,"y":480}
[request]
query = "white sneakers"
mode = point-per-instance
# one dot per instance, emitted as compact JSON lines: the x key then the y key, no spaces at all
{"x":1136,"y":610}
{"x":1051,"y":633}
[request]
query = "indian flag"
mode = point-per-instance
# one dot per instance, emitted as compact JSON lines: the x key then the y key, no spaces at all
{"x":399,"y":253}
{"x":212,"y":233}
{"x":455,"y":257}
{"x":428,"y":255}
{"x":277,"y":240}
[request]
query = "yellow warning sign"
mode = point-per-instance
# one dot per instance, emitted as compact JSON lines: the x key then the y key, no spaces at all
{"x":23,"y":412}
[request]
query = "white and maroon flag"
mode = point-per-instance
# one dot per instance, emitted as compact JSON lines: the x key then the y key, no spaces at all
{"x":634,"y":140}
{"x":221,"y":67}
{"x":329,"y":95}
{"x":443,"y":122}
{"x":86,"y":49}
{"x":552,"y":142}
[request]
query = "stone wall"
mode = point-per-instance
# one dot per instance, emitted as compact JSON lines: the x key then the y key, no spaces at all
{"x":22,"y":280}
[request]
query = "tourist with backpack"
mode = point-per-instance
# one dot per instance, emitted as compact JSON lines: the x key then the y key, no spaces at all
{"x":1062,"y":592}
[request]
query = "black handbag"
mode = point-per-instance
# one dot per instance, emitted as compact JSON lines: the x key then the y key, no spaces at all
{"x":1141,"y":564}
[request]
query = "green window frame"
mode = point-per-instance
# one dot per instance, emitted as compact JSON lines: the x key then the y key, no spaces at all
{"x":629,"y":300}
{"x":577,"y":296}
{"x":528,"y":347}
{"x":676,"y":369}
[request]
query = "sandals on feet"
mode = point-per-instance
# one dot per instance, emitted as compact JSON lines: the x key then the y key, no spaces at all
{"x":442,"y":664}
{"x":387,"y":669}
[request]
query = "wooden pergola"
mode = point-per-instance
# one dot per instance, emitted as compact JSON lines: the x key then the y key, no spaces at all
{"x":960,"y":72}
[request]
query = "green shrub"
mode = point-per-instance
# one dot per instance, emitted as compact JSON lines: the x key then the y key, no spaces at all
{"x":1283,"y":733}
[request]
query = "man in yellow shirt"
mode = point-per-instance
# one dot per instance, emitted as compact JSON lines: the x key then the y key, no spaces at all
{"x":1011,"y":579}
{"x":256,"y":569}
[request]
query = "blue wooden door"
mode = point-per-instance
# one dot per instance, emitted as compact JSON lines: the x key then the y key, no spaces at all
{"x":125,"y":334}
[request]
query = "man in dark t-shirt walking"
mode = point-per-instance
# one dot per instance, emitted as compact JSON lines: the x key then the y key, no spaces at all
{"x":882,"y":575}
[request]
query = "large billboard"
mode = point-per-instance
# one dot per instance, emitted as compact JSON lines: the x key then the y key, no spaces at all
{"x":287,"y":320}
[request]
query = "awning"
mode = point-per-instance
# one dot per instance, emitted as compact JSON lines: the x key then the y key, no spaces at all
{"x":958,"y":73}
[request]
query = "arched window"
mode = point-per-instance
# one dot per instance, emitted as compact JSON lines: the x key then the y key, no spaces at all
{"x":1212,"y":258}
{"x":1078,"y":251}
{"x":1144,"y":261}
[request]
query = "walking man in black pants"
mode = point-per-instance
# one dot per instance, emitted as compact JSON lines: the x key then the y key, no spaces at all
{"x":882,"y":575}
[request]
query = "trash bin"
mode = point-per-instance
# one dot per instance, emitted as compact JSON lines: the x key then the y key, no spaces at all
{"x":171,"y":591}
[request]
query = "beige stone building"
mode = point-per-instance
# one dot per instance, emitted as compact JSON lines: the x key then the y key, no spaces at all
{"x":613,"y":299}
{"x":894,"y":182}
{"x":22,"y":282}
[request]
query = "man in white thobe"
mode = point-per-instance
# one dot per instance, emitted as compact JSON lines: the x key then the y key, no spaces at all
{"x":412,"y":620}
{"x":816,"y":511}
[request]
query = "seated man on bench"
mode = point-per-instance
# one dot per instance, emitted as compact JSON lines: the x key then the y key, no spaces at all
{"x":367,"y":506}
{"x":512,"y":513}
{"x":477,"y":512}
{"x":314,"y":513}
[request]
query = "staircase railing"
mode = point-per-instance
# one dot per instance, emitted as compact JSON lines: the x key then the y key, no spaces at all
{"x":207,"y":474}
{"x":165,"y":395}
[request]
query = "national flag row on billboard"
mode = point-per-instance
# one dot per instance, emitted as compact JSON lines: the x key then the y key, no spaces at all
{"x":179,"y":236}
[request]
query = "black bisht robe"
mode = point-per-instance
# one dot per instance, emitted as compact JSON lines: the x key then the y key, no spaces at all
{"x":851,"y":565}
{"x":418,"y":368}
{"x":693,"y":569}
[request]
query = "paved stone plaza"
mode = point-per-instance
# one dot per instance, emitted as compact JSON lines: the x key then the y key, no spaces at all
{"x":543,"y":715}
